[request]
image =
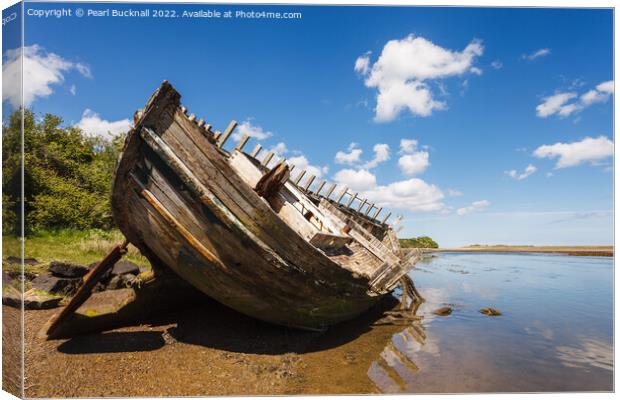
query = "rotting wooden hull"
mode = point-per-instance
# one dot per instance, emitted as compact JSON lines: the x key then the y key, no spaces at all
{"x":177,"y":198}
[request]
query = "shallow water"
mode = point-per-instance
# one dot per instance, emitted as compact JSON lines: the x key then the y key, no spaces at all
{"x":555,"y":332}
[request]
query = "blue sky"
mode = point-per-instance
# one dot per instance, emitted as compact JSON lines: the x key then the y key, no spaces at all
{"x":489,"y":125}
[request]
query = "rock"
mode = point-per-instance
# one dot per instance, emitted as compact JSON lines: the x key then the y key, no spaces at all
{"x":56,"y":285}
{"x":17,"y":260}
{"x":120,"y":282}
{"x":491,"y":312}
{"x":40,"y":300}
{"x":115,"y":283}
{"x":6,"y":279}
{"x":17,"y":275}
{"x":11,"y":297}
{"x":67,"y":270}
{"x":443,"y":311}
{"x":125,"y":267}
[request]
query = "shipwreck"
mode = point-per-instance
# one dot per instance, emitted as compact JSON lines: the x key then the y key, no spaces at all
{"x":240,"y":228}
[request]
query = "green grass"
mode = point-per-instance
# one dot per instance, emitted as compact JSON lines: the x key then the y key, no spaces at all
{"x":79,"y":247}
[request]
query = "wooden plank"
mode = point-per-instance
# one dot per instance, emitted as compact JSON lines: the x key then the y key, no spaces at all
{"x":353,"y":197}
{"x":291,"y":168}
{"x":242,"y":142}
{"x":326,"y":241}
{"x":320,"y":187}
{"x":362,"y":204}
{"x":370,"y":207}
{"x":267,"y":158}
{"x":217,"y":135}
{"x":256,"y":150}
{"x":309,"y":182}
{"x":377,"y":213}
{"x":229,"y":129}
{"x":344,"y":191}
{"x":301,"y":175}
{"x":386,"y":218}
{"x":331,"y":190}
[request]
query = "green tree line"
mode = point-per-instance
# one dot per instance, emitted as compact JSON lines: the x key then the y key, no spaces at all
{"x":424,"y":242}
{"x":67,"y":175}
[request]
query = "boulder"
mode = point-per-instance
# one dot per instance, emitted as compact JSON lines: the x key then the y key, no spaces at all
{"x":11,"y":296}
{"x":443,"y":311}
{"x":120,"y":282}
{"x":67,"y":270}
{"x":56,"y":285}
{"x":17,"y":260}
{"x":490,"y":311}
{"x":125,"y":267}
{"x":40,"y":300}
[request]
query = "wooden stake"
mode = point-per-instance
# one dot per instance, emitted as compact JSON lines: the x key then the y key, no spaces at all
{"x":217,"y":135}
{"x":231,"y":127}
{"x":201,"y":123}
{"x":386,"y":218}
{"x":241,"y":143}
{"x":184,"y":110}
{"x":344,"y":191}
{"x":377,"y":213}
{"x":310,"y":180}
{"x":256,"y":150}
{"x":320,"y":187}
{"x":370,"y":208}
{"x":192,"y":118}
{"x":267,"y":158}
{"x":352,"y":199}
{"x":361,"y":205}
{"x":301,"y":175}
{"x":331,"y":190}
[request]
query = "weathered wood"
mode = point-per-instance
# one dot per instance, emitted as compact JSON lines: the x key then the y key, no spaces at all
{"x":351,"y":199}
{"x":242,"y":142}
{"x":301,"y":175}
{"x":344,"y":191}
{"x":309,"y":182}
{"x":192,"y":118}
{"x":201,"y":123}
{"x":330,"y":190}
{"x":229,"y":129}
{"x":362,"y":204}
{"x":267,"y":158}
{"x":386,"y":218}
{"x":377,"y":213}
{"x":256,"y":150}
{"x":271,"y":182}
{"x":370,"y":207}
{"x":320,"y":187}
{"x":217,"y":135}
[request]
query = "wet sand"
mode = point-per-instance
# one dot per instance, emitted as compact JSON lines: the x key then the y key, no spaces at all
{"x":208,"y":350}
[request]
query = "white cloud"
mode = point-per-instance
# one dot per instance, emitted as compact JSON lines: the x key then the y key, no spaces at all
{"x":553,"y":104}
{"x":536,"y":54}
{"x":352,"y":157}
{"x":301,"y":163}
{"x":529,"y":170}
{"x":358,"y":180}
{"x":412,"y":162}
{"x":73,"y":90}
{"x":382,"y":153}
{"x":280,"y":149}
{"x":401,"y":70}
{"x":453,"y":193}
{"x":246,"y":128}
{"x":411,"y":194}
{"x":41,"y":71}
{"x":571,"y":154}
{"x":362,"y":64}
{"x":92,"y":124}
{"x":476,"y":71}
{"x":497,"y":64}
{"x":476,"y":206}
{"x":560,"y":103}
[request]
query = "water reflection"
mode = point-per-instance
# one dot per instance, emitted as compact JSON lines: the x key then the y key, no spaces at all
{"x":588,"y":352}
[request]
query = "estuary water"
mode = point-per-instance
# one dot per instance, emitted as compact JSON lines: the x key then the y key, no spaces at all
{"x":555,"y":332}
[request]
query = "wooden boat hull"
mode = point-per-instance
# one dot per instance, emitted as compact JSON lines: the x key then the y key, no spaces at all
{"x":178,"y":200}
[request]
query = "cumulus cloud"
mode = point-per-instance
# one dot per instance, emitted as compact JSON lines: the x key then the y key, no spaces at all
{"x":301,"y":163}
{"x":476,"y":206}
{"x":404,"y":66}
{"x":92,"y":124}
{"x":382,"y":153}
{"x":561,"y":104}
{"x":412,"y":161}
{"x":572,"y":154}
{"x":358,"y":180}
{"x":246,"y":128}
{"x":351,"y":157}
{"x":41,"y":72}
{"x":536,"y":54}
{"x":529,"y":170}
{"x":412,"y":194}
{"x":453,"y":193}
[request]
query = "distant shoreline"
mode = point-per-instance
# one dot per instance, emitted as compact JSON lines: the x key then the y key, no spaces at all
{"x":598,"y":251}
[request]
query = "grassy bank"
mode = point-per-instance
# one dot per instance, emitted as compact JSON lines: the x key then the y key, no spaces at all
{"x":80,"y":247}
{"x":604,"y":251}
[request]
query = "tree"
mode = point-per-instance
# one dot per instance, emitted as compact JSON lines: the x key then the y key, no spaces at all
{"x":67,"y":175}
{"x":419,"y":242}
